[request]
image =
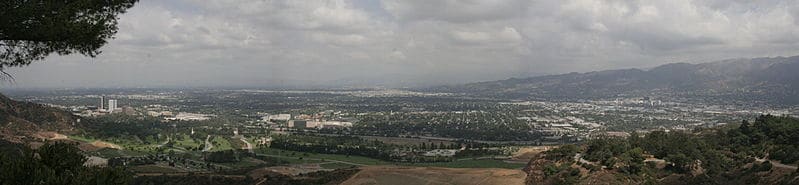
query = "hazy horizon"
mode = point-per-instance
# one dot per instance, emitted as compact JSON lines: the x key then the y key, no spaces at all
{"x":363,"y":43}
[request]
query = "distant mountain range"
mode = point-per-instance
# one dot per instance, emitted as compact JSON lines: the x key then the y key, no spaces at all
{"x":758,"y":79}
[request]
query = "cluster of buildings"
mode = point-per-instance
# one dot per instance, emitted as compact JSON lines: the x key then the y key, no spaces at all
{"x":185,"y":116}
{"x":441,"y":153}
{"x":304,"y":121}
{"x":104,"y":107}
{"x":277,"y":117}
{"x":164,"y":111}
{"x":318,"y":124}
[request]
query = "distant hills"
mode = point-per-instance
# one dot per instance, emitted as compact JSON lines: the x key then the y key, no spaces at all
{"x":761,"y":79}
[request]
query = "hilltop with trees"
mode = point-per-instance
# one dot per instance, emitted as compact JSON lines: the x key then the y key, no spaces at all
{"x":761,"y":152}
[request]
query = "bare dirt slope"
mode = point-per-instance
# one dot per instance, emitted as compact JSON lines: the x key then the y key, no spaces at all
{"x":390,"y":175}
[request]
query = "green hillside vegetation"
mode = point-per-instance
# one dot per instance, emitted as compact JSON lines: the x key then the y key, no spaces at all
{"x":53,"y":163}
{"x":710,"y":156}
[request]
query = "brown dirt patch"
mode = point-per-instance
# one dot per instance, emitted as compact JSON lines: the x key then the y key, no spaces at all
{"x":398,"y":175}
{"x":103,"y":144}
{"x":285,"y":170}
{"x":525,"y":154}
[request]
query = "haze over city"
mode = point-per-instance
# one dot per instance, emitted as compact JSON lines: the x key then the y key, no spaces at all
{"x":399,"y":92}
{"x":265,"y":43}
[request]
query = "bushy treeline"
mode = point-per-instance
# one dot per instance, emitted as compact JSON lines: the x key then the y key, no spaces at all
{"x":334,"y":145}
{"x":772,"y":137}
{"x":356,"y":146}
{"x":717,"y":155}
{"x":53,"y":163}
{"x":124,"y":126}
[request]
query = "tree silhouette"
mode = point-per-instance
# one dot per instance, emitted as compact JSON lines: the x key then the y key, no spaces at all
{"x":30,"y":30}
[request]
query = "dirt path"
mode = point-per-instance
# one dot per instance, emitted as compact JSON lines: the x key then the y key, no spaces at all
{"x":247,"y":144}
{"x":103,"y":144}
{"x":208,"y":145}
{"x":165,"y":142}
{"x":57,"y":136}
{"x":777,"y":164}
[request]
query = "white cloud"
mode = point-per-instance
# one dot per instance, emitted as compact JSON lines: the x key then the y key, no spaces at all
{"x":265,"y":41}
{"x":506,"y":35}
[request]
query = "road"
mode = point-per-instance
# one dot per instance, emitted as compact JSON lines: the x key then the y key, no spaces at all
{"x":165,"y":142}
{"x":208,"y":145}
{"x":248,"y":146}
{"x":777,"y":164}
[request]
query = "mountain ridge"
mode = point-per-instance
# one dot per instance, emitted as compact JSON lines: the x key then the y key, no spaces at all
{"x":775,"y":79}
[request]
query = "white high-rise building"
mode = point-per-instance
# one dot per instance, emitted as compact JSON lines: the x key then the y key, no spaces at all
{"x":112,"y":104}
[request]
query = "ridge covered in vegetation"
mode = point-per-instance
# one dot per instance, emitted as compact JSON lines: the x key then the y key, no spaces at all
{"x":762,"y":152}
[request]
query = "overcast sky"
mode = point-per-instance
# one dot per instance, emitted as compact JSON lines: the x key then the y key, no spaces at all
{"x":267,"y":43}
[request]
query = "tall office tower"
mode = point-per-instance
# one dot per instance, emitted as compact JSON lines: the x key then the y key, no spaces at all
{"x":102,"y":102}
{"x":112,"y":104}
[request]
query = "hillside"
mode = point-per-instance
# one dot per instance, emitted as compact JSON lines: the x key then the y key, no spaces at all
{"x":22,"y":121}
{"x":767,"y":79}
{"x":763,"y":152}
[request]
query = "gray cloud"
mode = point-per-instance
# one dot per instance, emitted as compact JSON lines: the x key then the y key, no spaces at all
{"x":399,"y":43}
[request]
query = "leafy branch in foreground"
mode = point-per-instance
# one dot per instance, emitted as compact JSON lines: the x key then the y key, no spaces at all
{"x":30,"y":30}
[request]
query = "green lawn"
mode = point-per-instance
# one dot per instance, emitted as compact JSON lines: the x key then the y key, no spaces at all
{"x":80,"y":138}
{"x":236,"y":143}
{"x":220,"y":143}
{"x":184,"y":141}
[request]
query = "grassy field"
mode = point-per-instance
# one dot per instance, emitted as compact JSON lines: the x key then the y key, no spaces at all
{"x":184,"y":141}
{"x":236,"y":143}
{"x":220,"y":143}
{"x":80,"y":138}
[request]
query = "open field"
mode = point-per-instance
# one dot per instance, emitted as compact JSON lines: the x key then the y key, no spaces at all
{"x":184,"y":141}
{"x":220,"y":143}
{"x":236,"y":143}
{"x":398,"y":175}
{"x":524,"y":154}
{"x":80,"y":138}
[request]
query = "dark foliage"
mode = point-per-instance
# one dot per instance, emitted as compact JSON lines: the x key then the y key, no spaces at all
{"x":57,"y":163}
{"x":30,"y":30}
